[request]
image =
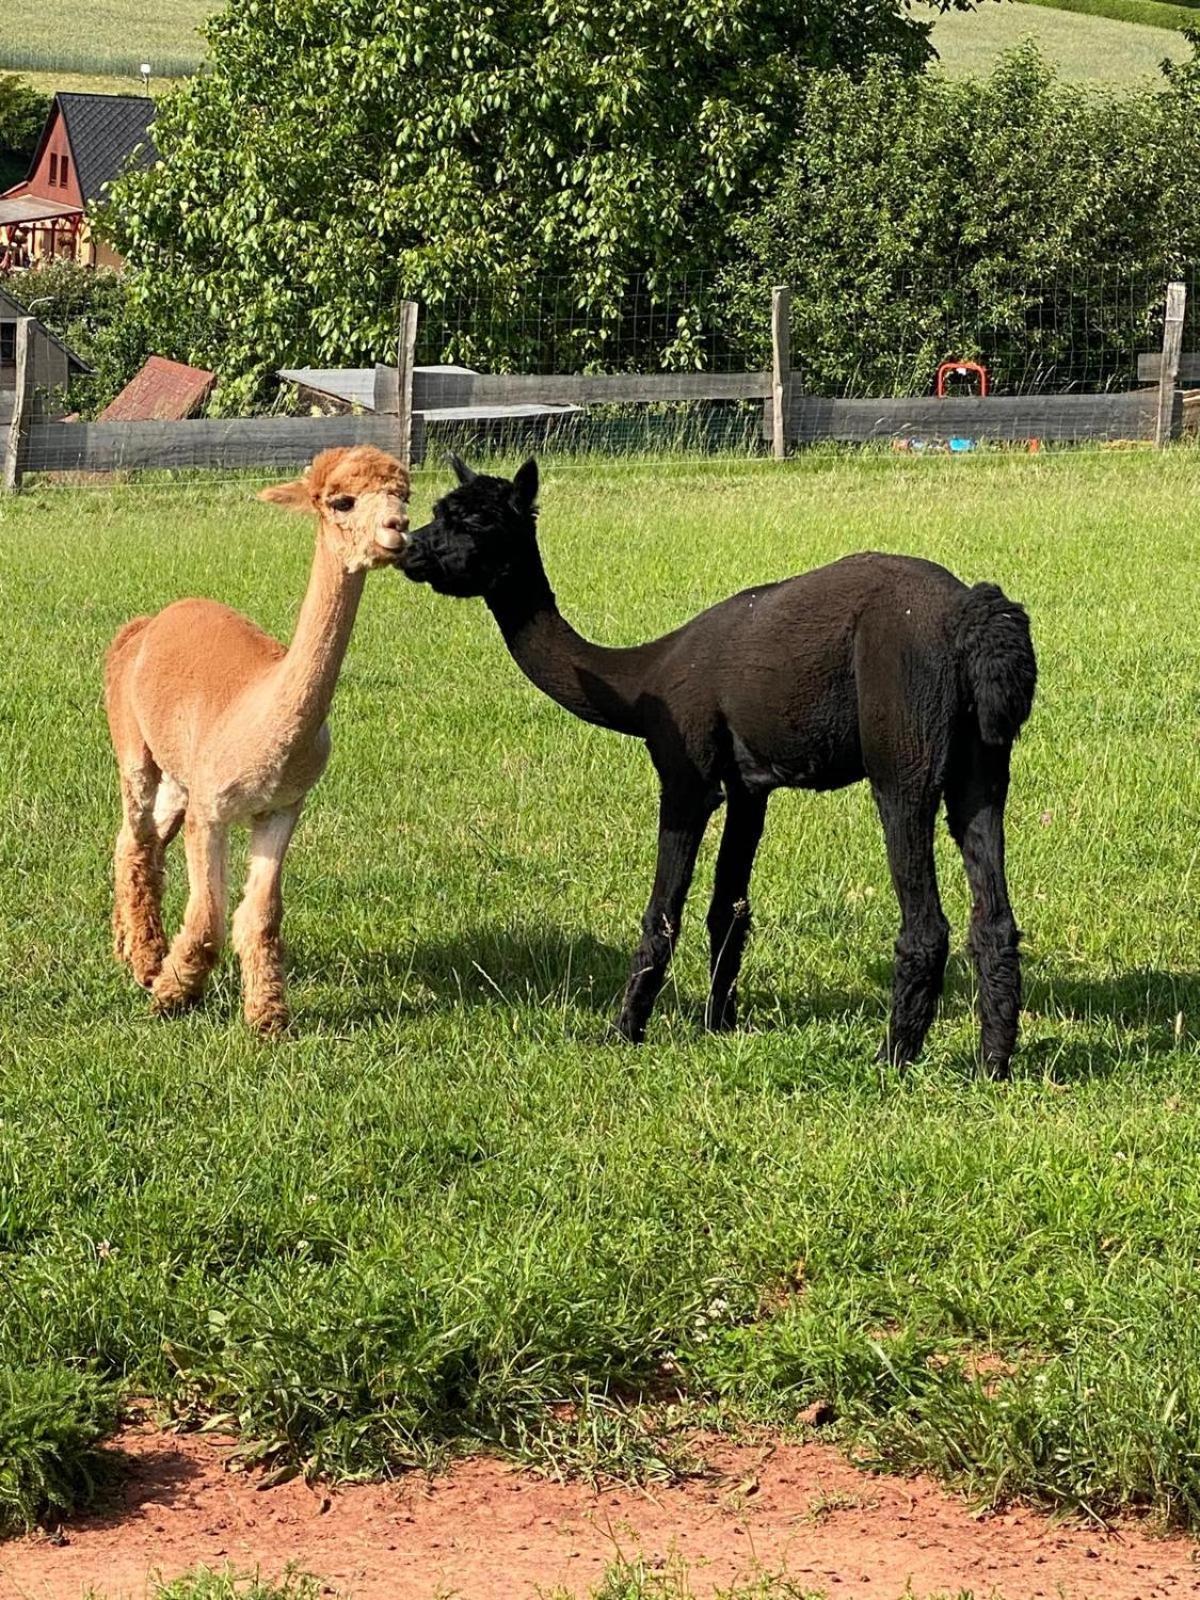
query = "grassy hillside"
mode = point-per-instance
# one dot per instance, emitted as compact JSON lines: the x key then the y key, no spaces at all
{"x":102,"y":37}
{"x":1082,"y":47}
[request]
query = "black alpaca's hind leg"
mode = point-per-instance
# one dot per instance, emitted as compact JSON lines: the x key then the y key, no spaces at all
{"x":681,"y":825}
{"x":729,"y":913}
{"x":976,"y":791}
{"x":924,"y":941}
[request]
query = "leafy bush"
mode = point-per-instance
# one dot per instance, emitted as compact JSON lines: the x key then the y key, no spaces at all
{"x":51,"y":1422}
{"x":1020,"y":219}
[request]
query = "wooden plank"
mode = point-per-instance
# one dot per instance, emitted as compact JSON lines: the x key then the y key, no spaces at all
{"x":387,"y":390}
{"x":1168,"y":374}
{"x":21,"y":423}
{"x":1008,"y":417}
{"x":406,"y":356}
{"x":781,"y":367}
{"x":213,"y":443}
{"x":1150,"y":366}
{"x":434,"y":391}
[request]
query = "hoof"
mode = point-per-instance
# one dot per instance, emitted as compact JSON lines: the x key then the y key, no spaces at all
{"x":723,"y":1019}
{"x":891,"y":1054}
{"x":629,"y":1032}
{"x":146,"y":965}
{"x":269,"y":1020}
{"x":170,"y":996}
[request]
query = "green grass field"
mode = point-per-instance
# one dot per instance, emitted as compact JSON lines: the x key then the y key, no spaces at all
{"x":102,"y":38}
{"x":447,"y":1199}
{"x":1081,"y":47}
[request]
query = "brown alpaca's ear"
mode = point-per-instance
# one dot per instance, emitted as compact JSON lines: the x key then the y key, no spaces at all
{"x":296,"y":496}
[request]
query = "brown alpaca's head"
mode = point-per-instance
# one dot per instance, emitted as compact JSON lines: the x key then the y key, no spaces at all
{"x":361,"y":497}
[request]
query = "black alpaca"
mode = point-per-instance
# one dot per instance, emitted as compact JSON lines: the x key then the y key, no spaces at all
{"x":879,"y":667}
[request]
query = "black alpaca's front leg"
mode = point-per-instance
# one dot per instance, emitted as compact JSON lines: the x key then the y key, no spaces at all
{"x":681,"y":823}
{"x":975,"y":798}
{"x":729,"y":913}
{"x":924,"y":942}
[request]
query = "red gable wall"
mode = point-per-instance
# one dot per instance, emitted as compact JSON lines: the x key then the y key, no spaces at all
{"x":55,"y":143}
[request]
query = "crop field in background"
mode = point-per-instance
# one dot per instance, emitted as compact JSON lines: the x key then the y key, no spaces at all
{"x":446,"y":1199}
{"x":1081,"y":47}
{"x":105,"y":38}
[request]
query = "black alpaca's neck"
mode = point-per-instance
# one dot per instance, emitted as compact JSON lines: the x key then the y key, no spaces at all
{"x":597,"y":684}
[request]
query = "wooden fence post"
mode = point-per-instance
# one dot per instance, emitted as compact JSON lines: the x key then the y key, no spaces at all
{"x":394,"y":386}
{"x":1168,"y":376}
{"x":22,"y":417}
{"x":781,"y":367}
{"x":405,"y":361}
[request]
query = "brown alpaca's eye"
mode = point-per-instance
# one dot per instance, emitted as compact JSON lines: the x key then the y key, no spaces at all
{"x":342,"y":502}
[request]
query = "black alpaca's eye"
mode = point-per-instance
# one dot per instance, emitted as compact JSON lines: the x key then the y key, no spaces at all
{"x":342,"y":502}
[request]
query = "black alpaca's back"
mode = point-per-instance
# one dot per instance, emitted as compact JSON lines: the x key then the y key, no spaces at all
{"x":877,"y":667}
{"x":799,"y":684}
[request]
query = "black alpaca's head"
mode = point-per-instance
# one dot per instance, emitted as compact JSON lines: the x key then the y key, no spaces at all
{"x":481,"y":533}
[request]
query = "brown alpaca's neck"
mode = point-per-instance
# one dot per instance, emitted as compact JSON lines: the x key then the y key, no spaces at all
{"x":307,"y":676}
{"x":597,"y":684}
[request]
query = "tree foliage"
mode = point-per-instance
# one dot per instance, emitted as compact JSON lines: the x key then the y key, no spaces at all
{"x":340,"y":154}
{"x":1023,"y":218}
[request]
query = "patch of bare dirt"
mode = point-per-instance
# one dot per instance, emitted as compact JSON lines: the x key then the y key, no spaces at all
{"x":486,"y":1531}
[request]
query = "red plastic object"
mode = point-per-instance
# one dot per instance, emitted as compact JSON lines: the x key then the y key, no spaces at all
{"x":960,"y":369}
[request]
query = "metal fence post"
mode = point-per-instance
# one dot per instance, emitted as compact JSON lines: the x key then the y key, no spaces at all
{"x":781,"y":367}
{"x":22,"y":417}
{"x":1166,"y":425}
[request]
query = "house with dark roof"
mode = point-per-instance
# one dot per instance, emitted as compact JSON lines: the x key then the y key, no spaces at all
{"x":88,"y":139}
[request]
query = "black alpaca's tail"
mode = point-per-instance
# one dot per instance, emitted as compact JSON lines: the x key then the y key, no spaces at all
{"x":996,"y":652}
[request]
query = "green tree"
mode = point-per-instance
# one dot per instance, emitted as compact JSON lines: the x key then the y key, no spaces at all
{"x":22,"y":113}
{"x":340,"y":154}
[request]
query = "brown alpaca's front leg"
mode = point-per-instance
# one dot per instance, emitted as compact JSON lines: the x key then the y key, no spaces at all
{"x":258,"y":921}
{"x":195,"y":948}
{"x":138,"y":937}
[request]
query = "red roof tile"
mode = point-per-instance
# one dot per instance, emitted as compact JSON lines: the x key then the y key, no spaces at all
{"x":163,"y":391}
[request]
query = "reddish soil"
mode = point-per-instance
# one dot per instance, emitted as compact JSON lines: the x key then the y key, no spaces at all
{"x":486,"y":1531}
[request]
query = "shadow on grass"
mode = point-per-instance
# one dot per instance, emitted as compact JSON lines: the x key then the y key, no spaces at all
{"x":552,"y":968}
{"x":524,"y":965}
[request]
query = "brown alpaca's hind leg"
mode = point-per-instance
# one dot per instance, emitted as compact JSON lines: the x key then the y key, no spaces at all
{"x":138,"y":937}
{"x":259,"y":919}
{"x":195,"y":948}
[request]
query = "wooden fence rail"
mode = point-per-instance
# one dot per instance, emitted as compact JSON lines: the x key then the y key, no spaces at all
{"x":406,"y":400}
{"x":1000,"y":418}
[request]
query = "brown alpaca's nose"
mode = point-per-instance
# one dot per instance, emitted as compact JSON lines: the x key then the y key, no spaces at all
{"x":392,"y":532}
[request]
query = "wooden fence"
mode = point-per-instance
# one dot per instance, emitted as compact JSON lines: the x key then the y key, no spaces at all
{"x":405,"y":398}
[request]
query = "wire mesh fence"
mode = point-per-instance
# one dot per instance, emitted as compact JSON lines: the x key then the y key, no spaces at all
{"x":1066,"y":358}
{"x":1075,"y":332}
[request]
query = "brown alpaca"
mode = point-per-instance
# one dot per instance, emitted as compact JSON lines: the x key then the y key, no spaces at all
{"x":214,"y":723}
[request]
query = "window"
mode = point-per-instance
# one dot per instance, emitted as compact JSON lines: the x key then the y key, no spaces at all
{"x":8,"y":344}
{"x":63,"y":169}
{"x":53,"y":171}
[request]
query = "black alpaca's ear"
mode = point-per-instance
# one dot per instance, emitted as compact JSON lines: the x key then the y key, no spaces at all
{"x":462,"y":471}
{"x":525,"y":485}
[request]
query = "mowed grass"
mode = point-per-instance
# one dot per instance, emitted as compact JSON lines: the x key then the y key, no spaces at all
{"x":102,"y":37}
{"x":447,"y":1201}
{"x":1080,"y":47}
